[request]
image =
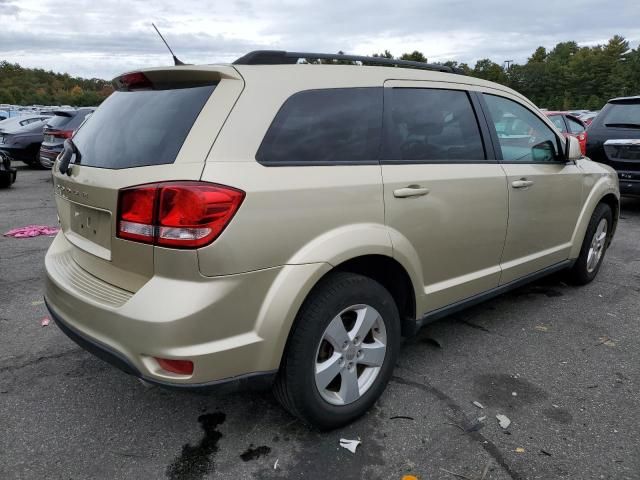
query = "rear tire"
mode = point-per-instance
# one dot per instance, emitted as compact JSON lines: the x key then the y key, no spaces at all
{"x":360,"y":364}
{"x":594,"y":246}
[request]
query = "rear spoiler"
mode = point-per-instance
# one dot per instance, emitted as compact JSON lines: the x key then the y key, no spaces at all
{"x":183,"y":76}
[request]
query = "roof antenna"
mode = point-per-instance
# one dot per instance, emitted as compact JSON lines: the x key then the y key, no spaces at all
{"x":176,"y":60}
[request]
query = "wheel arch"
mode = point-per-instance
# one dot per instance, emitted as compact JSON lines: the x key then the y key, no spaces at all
{"x":283,"y":304}
{"x":604,"y":191}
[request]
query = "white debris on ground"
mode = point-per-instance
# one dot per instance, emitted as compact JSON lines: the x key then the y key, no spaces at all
{"x":503,"y":420}
{"x":478,"y":404}
{"x":350,"y":445}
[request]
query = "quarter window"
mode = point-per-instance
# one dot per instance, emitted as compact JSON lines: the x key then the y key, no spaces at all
{"x":341,"y":125}
{"x":523,"y":137}
{"x":431,"y":125}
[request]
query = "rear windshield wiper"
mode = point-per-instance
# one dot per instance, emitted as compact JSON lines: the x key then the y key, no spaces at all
{"x":70,"y":149}
{"x":623,"y":125}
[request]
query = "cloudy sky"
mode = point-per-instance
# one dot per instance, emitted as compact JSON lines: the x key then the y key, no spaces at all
{"x":101,"y":38}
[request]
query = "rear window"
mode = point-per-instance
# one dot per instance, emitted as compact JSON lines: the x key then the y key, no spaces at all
{"x":58,"y":121}
{"x":622,"y":113}
{"x":140,"y":128}
{"x":340,"y":125}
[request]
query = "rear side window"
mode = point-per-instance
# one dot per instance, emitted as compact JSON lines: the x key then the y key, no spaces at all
{"x":339,"y":125}
{"x":140,"y":128}
{"x":431,"y":125}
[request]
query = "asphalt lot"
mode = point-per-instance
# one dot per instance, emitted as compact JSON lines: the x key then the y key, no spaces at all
{"x":570,"y":354}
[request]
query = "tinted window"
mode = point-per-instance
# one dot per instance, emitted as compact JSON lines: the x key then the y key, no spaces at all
{"x":622,"y":113}
{"x":558,"y":122}
{"x":431,"y":125}
{"x":139,"y":128}
{"x":58,"y":121}
{"x":523,"y":137}
{"x":78,"y":119}
{"x":575,"y":126}
{"x":325,"y":126}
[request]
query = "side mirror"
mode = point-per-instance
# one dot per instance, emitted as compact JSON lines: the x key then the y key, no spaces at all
{"x":573,"y":149}
{"x":543,"y":152}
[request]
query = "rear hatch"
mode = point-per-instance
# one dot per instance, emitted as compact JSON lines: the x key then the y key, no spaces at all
{"x":157,"y":126}
{"x":614,"y":137}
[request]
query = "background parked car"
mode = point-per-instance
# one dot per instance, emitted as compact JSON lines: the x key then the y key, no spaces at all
{"x":20,"y":137}
{"x":570,"y":125}
{"x":614,"y":139}
{"x":57,"y":130}
{"x":587,"y":118}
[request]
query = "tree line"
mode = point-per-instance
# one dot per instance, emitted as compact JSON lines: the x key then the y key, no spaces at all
{"x":35,"y":86}
{"x":566,"y":77}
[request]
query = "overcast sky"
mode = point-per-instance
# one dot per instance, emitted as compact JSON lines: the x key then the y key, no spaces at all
{"x":101,"y":38}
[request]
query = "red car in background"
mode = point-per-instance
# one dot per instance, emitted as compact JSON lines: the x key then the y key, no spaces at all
{"x":570,"y":125}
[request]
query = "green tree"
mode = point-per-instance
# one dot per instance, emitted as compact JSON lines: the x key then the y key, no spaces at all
{"x":415,"y":56}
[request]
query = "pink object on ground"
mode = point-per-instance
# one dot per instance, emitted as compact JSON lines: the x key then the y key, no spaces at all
{"x":45,"y":321}
{"x":32,"y":231}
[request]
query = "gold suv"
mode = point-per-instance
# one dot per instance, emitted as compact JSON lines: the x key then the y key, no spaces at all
{"x":288,"y":222}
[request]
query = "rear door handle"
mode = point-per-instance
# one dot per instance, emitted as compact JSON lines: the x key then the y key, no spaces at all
{"x":522,"y":183}
{"x":412,"y":191}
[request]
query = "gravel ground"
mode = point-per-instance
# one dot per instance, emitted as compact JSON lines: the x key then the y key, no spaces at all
{"x":561,"y":362}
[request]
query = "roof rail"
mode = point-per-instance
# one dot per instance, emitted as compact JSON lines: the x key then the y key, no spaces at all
{"x":280,"y":57}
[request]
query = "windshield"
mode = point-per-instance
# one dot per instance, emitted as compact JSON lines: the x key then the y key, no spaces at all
{"x":140,"y":128}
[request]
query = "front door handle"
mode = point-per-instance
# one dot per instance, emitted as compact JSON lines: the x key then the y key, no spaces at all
{"x":410,"y":191}
{"x":522,"y":183}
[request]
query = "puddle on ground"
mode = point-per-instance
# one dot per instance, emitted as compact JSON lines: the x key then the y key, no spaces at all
{"x":196,"y":461}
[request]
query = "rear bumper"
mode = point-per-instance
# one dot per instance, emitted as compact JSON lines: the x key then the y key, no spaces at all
{"x":49,"y":154}
{"x":254,"y":381}
{"x":219,"y":323}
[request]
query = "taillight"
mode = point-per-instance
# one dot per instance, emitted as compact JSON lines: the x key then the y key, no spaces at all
{"x":136,"y":207}
{"x":62,"y":133}
{"x":176,"y":214}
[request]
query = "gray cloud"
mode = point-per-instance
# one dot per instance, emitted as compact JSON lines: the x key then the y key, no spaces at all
{"x":104,"y":38}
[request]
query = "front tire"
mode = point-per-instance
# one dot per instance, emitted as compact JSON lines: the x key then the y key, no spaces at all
{"x":341,"y":351}
{"x":594,"y":246}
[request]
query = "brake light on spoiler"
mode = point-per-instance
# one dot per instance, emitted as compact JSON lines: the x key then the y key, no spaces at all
{"x":184,"y":214}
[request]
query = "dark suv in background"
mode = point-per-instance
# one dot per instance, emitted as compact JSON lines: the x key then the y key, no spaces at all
{"x":614,"y":138}
{"x":57,"y":130}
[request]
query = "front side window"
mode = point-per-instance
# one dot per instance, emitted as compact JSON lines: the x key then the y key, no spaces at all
{"x":337,"y":125}
{"x":522,"y":135}
{"x":431,"y":125}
